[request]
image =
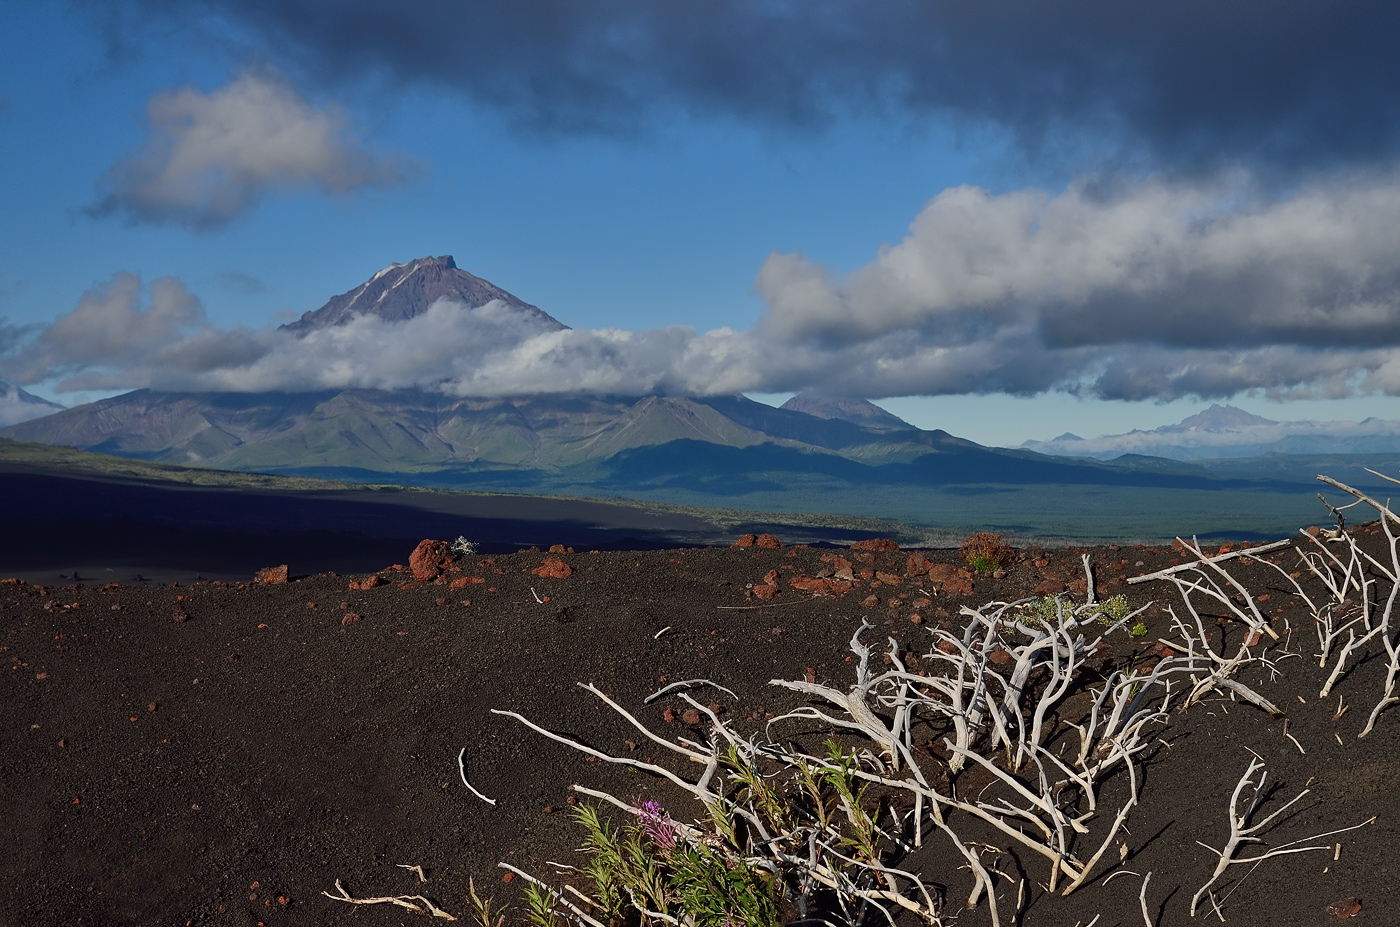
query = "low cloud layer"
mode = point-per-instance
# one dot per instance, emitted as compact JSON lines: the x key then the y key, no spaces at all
{"x":210,"y":158}
{"x":1157,"y":290}
{"x":1187,"y":85}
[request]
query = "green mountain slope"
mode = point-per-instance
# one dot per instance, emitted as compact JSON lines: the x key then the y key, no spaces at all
{"x":412,"y":431}
{"x":711,"y":451}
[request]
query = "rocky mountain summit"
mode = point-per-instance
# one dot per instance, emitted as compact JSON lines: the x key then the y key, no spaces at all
{"x":17,"y":405}
{"x":401,"y":292}
{"x":860,"y":412}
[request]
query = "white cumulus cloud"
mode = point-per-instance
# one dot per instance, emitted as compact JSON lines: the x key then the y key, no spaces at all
{"x":1152,"y":290}
{"x":211,"y":157}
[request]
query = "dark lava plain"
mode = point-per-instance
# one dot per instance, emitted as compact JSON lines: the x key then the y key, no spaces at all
{"x":222,"y":753}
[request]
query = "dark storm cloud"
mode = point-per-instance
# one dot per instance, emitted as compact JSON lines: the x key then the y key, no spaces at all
{"x":1190,"y":82}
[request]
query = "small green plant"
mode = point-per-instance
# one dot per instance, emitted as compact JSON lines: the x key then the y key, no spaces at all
{"x":462,"y":546}
{"x":1111,"y":611}
{"x":1047,"y":609}
{"x":1138,"y":630}
{"x":653,"y":865}
{"x":986,"y":552}
{"x":540,"y":903}
{"x":484,"y":911}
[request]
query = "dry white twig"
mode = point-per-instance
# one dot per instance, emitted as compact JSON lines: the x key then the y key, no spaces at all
{"x":1242,"y":832}
{"x":416,"y":870}
{"x":462,"y":769}
{"x":1218,"y":558}
{"x":416,"y":903}
{"x":686,"y":684}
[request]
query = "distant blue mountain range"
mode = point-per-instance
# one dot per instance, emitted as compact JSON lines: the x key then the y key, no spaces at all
{"x":1227,"y":432}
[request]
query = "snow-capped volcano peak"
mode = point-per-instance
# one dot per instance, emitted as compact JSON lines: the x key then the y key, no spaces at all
{"x":403,"y":291}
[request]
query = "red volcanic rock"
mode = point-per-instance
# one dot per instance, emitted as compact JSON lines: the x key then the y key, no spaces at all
{"x":870,"y":601}
{"x":916,"y":565}
{"x":1050,"y":587}
{"x":768,"y":542}
{"x":690,"y":716}
{"x":349,"y":618}
{"x":812,"y":585}
{"x":271,"y":576}
{"x":842,"y":570}
{"x":369,"y":582}
{"x":465,"y":581}
{"x":889,"y":579}
{"x":764,"y":591}
{"x":884,"y":544}
{"x":560,"y":549}
{"x":553,"y":568}
{"x":429,"y":559}
{"x":1344,"y":908}
{"x":747,"y":540}
{"x":999,"y":656}
{"x":961,"y":585}
{"x":771,"y":578}
{"x":943,"y":572}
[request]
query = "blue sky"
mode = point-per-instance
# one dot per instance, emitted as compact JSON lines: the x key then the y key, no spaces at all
{"x":1009,"y":223}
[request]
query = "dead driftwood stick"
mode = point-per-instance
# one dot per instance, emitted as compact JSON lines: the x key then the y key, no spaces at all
{"x":462,"y":769}
{"x":1183,"y":567}
{"x":1380,"y":507}
{"x":416,"y":903}
{"x":686,"y":684}
{"x":1242,"y":832}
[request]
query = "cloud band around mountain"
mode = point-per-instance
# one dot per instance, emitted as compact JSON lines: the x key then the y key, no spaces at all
{"x":1152,"y":290}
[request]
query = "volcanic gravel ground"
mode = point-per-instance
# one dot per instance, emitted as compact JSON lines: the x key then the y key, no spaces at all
{"x":222,"y":754}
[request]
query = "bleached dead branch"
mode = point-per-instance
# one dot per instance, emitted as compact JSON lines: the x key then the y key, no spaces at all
{"x":462,"y":771}
{"x":415,"y":903}
{"x":1243,"y":832}
{"x":1218,"y":558}
{"x":686,"y":684}
{"x":1382,"y":628}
